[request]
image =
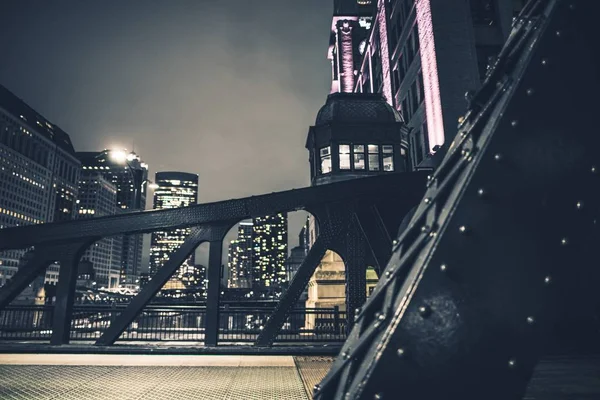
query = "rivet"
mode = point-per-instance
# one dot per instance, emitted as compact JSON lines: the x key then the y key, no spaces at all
{"x":427,"y":200}
{"x":564,"y":241}
{"x":443,"y":268}
{"x":425,"y":311}
{"x":345,"y":355}
{"x":498,"y":157}
{"x":579,"y":205}
{"x":558,"y":33}
{"x":425,"y":229}
{"x":530,"y":92}
{"x":378,"y":396}
{"x":394,"y":242}
{"x":512,"y":363}
{"x":389,"y":273}
{"x":317,"y":388}
{"x":544,"y":61}
{"x":593,"y":169}
{"x":357,"y":311}
{"x":481,"y":192}
{"x":381,"y":317}
{"x":514,"y":123}
{"x":548,"y":280}
{"x":571,"y":6}
{"x":400,"y":352}
{"x":462,"y":229}
{"x":530,"y":320}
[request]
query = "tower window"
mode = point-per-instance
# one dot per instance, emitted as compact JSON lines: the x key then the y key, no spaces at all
{"x":344,"y":150}
{"x":359,"y":156}
{"x":325,"y":154}
{"x":388,"y":158}
{"x":373,"y":157}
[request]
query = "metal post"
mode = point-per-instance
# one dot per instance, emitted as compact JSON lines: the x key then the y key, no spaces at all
{"x":68,"y":257}
{"x":211,"y":329}
{"x":336,"y":319}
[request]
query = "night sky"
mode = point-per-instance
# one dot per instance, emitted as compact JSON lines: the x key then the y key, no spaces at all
{"x":223,"y":88}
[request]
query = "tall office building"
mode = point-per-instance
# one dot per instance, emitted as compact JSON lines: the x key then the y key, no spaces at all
{"x":239,"y":260}
{"x":269,"y":243}
{"x":130,"y":176}
{"x":421,"y":55}
{"x":97,"y":198}
{"x":38,"y":172}
{"x":172,"y":190}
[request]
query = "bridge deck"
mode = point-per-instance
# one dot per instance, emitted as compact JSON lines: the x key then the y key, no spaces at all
{"x":83,"y":376}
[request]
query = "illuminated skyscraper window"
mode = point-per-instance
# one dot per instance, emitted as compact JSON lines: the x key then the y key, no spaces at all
{"x":173,"y":190}
{"x":269,"y":252}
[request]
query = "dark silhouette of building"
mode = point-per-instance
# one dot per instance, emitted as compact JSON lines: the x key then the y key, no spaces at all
{"x":98,"y":197}
{"x":172,"y":190}
{"x":130,"y":176}
{"x":38,"y":172}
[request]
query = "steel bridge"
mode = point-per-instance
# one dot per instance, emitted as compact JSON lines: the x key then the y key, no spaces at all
{"x":501,"y":247}
{"x":356,"y":219}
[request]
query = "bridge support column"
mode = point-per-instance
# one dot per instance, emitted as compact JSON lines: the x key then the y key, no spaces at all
{"x":356,"y":270}
{"x":68,"y":257}
{"x":211,"y":329}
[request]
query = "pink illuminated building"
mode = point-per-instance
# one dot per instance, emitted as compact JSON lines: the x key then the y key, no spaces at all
{"x":421,"y":55}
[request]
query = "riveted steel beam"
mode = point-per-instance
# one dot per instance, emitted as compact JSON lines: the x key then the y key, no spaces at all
{"x":487,"y":263}
{"x":68,"y":256}
{"x":197,"y":236}
{"x":400,"y":185}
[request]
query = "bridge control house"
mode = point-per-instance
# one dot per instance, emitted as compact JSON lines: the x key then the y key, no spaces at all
{"x":354,"y":136}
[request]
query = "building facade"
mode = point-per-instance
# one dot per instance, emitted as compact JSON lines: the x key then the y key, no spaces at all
{"x":270,"y":250}
{"x":97,"y":198}
{"x":130,"y":176}
{"x":239,"y":258}
{"x":39,"y":173}
{"x":172,"y":190}
{"x":422,"y":56}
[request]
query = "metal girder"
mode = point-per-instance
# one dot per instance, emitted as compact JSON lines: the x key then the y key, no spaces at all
{"x":24,"y":276}
{"x":376,"y":235}
{"x":289,"y":299}
{"x":399,"y":185}
{"x":476,"y":281}
{"x":197,"y":236}
{"x":68,"y":255}
{"x":211,"y":331}
{"x":334,"y":221}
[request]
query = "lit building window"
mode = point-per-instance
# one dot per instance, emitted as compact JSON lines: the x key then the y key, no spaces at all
{"x":388,"y":158}
{"x":325,"y":153}
{"x":359,"y":156}
{"x":373,"y":157}
{"x":344,"y":156}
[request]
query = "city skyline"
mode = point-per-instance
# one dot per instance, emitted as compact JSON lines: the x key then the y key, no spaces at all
{"x":111,"y":91}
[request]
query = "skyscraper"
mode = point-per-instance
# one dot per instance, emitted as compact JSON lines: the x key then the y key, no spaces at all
{"x":130,"y":176}
{"x":421,"y":55}
{"x":172,"y":190}
{"x":240,"y":258}
{"x":97,"y":198}
{"x":269,"y":252}
{"x":38,"y":172}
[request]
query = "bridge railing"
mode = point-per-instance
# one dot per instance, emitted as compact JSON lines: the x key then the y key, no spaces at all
{"x":173,"y":323}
